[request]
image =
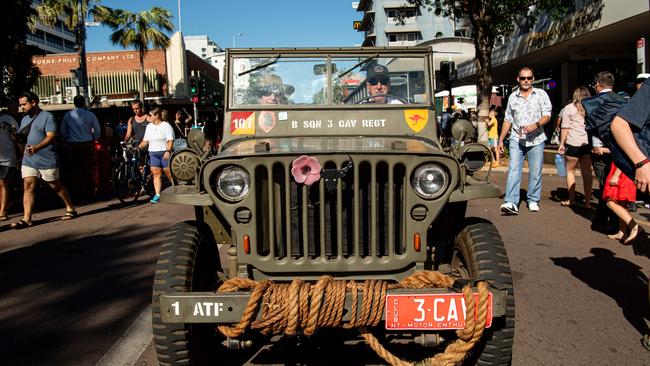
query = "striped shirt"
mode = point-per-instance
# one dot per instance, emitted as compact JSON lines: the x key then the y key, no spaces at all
{"x":526,"y":111}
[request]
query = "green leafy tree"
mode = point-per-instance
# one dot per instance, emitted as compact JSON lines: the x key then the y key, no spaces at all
{"x":491,"y":20}
{"x":139,"y":31}
{"x":73,"y":14}
{"x":17,"y":72}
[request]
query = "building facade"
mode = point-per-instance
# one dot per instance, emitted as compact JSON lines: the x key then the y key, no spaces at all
{"x":380,"y":25}
{"x":207,"y":50}
{"x":55,"y":39}
{"x":565,"y":53}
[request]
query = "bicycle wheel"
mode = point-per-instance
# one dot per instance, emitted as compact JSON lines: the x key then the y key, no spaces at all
{"x":147,"y":181}
{"x":126,"y":182}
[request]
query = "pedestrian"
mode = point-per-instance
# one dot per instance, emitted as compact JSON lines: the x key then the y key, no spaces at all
{"x":527,"y":111}
{"x":182,"y":123}
{"x":601,"y":157}
{"x":493,"y":135}
{"x":81,"y":131}
{"x":574,"y":145}
{"x":137,"y":124}
{"x":159,"y":138}
{"x":40,"y":159}
{"x":8,"y":158}
{"x":619,"y":192}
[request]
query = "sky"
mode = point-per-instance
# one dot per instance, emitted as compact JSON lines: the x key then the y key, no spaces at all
{"x":252,"y":23}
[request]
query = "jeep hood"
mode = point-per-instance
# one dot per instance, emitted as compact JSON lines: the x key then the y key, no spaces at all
{"x":328,"y":145}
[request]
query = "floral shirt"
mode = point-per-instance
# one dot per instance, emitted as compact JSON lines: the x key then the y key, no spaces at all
{"x":526,"y":111}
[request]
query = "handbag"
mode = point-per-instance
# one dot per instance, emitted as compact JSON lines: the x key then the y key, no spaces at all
{"x":179,"y":143}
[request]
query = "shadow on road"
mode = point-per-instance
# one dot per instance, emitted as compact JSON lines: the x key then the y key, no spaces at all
{"x":615,"y":277}
{"x":63,"y":299}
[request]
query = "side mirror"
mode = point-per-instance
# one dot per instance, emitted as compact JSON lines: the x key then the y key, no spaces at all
{"x":321,"y":69}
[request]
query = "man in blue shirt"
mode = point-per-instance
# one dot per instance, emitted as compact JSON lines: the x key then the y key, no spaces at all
{"x":80,"y":129}
{"x":40,"y":159}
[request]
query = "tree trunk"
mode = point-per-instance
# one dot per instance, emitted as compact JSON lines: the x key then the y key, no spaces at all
{"x":141,"y":86}
{"x":483,"y":44}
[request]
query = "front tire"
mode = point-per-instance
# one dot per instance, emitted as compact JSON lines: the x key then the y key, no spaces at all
{"x":479,"y":253}
{"x":125,"y":185}
{"x":189,"y":261}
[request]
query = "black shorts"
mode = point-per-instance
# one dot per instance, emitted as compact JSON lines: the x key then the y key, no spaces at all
{"x":577,"y":151}
{"x":7,"y":172}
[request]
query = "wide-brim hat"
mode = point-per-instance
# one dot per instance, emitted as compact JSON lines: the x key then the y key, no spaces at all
{"x":272,"y":84}
{"x":642,"y":77}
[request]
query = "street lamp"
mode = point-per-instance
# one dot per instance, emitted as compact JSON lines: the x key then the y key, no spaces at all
{"x":233,"y":38}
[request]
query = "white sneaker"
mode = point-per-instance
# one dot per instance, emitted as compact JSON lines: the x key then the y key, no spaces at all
{"x":509,"y":208}
{"x":533,"y":206}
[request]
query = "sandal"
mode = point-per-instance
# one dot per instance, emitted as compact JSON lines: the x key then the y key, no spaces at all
{"x":69,"y":215}
{"x":21,"y":224}
{"x":632,"y":233}
{"x":567,"y":203}
{"x":4,"y":218}
{"x":618,"y":236}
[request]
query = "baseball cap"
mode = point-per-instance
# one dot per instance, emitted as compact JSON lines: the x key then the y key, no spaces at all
{"x":377,"y":71}
{"x":641,"y":77}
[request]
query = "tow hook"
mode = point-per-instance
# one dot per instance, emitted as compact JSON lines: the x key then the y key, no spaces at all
{"x":428,"y":340}
{"x":233,"y":343}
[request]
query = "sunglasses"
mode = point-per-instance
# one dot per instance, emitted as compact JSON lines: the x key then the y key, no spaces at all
{"x":375,"y":81}
{"x":526,"y":77}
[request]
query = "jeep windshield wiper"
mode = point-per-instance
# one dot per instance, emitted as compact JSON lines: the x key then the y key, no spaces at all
{"x":268,"y":62}
{"x":342,"y":74}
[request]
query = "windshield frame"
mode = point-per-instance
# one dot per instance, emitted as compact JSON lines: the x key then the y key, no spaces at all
{"x":330,"y":55}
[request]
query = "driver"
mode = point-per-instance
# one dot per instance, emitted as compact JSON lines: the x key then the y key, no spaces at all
{"x":273,"y":90}
{"x":378,"y":83}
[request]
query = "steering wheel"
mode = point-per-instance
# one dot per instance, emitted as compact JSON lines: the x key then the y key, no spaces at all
{"x":369,"y":98}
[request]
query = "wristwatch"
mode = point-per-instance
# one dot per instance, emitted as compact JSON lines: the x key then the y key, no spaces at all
{"x":641,"y":163}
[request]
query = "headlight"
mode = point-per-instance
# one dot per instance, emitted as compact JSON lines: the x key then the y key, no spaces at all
{"x":430,"y":181}
{"x":233,"y":183}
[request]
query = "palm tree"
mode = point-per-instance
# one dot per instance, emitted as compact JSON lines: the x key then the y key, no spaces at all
{"x":139,"y":30}
{"x":74,"y":14}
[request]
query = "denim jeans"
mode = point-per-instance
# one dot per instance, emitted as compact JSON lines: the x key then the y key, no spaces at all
{"x":535,"y":156}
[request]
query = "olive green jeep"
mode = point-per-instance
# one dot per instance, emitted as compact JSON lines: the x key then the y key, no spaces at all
{"x":329,"y":171}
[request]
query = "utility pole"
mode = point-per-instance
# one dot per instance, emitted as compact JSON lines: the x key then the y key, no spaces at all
{"x":81,"y":42}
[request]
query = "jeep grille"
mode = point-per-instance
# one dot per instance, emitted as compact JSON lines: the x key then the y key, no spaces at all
{"x":361,"y":217}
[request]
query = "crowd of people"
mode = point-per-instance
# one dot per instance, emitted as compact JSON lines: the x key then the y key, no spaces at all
{"x":31,"y":148}
{"x":585,"y":140}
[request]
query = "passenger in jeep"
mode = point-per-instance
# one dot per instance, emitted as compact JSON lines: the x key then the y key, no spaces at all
{"x":378,"y":83}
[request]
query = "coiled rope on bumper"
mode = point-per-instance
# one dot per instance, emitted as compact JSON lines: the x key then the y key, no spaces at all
{"x":303,"y":307}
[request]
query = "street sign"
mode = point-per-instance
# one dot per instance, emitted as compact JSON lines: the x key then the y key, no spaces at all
{"x":356,"y":25}
{"x":93,"y":24}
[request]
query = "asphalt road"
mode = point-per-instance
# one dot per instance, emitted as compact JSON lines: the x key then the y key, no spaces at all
{"x":71,"y":291}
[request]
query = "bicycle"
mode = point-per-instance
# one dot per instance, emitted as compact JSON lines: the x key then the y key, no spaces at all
{"x":129,"y":179}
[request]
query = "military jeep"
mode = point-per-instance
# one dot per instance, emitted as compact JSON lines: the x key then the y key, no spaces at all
{"x":329,"y":165}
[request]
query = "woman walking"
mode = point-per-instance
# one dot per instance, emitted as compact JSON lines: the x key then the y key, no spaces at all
{"x":159,"y":136}
{"x":574,"y":144}
{"x":619,"y":191}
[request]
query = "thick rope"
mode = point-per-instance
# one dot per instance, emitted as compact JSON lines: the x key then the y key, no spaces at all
{"x":300,"y":306}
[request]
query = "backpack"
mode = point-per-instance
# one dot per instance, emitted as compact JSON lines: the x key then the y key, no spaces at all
{"x":599,"y":114}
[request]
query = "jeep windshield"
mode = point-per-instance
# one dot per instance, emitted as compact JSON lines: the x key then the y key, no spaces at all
{"x":328,"y":79}
{"x":329,"y":92}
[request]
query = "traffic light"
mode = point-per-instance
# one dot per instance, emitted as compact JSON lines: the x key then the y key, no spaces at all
{"x":194,"y":89}
{"x":447,"y":71}
{"x":203,"y":91}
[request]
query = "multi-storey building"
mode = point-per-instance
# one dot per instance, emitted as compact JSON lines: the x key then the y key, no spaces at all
{"x":207,"y":50}
{"x":55,"y":39}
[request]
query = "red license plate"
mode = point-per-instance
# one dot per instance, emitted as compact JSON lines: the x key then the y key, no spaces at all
{"x":429,"y":311}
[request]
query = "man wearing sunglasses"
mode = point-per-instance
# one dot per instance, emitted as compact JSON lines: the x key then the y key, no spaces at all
{"x":378,"y":83}
{"x":528,"y":110}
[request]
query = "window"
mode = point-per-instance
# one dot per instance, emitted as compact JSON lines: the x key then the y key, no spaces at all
{"x":439,"y":35}
{"x":404,"y":37}
{"x":394,"y":13}
{"x":202,"y":49}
